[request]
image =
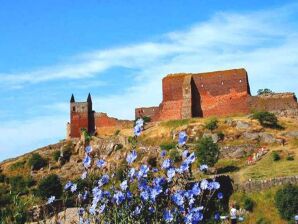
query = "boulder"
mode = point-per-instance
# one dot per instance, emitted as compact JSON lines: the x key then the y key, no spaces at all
{"x":291,"y":134}
{"x":214,"y":137}
{"x":242,"y":125}
{"x":267,"y":138}
{"x":250,"y":135}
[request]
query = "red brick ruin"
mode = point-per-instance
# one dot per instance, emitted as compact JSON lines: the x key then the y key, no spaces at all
{"x":218,"y":93}
{"x":186,"y":96}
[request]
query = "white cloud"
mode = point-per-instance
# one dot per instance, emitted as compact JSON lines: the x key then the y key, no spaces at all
{"x":263,"y":42}
{"x":20,"y":137}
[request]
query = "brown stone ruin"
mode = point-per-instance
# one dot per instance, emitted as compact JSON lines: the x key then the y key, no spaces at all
{"x":218,"y":93}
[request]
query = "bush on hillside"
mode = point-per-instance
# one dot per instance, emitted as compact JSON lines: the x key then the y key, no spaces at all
{"x":248,"y":204}
{"x":275,"y":156}
{"x":175,"y":155}
{"x":207,"y":151}
{"x":152,"y":161}
{"x":168,"y":146}
{"x":20,"y":184}
{"x":286,"y":201}
{"x":17,"y":165}
{"x":211,"y":124}
{"x":50,"y":186}
{"x":56,"y":155}
{"x":36,"y":162}
{"x":264,"y":91}
{"x":266,"y":119}
{"x":221,"y":135}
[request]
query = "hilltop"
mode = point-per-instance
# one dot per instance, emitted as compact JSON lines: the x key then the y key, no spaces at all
{"x":240,"y":138}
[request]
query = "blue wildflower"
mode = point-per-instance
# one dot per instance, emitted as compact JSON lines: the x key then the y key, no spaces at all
{"x":85,"y":195}
{"x":217,"y":216}
{"x":167,"y":215}
{"x":104,"y":180}
{"x":166,"y":164}
{"x":178,"y":199}
{"x":204,"y":184}
{"x":131,"y":157}
{"x":101,"y":209}
{"x":88,"y":149}
{"x":123,"y":185}
{"x":183,"y":167}
{"x":84,"y":175}
{"x":119,"y":197}
{"x":154,"y":192}
{"x":68,"y":185}
{"x":100,"y":163}
{"x":81,"y":211}
{"x":73,"y":188}
{"x":87,"y":161}
{"x":170,"y":174}
{"x":182,"y":138}
{"x":155,"y":170}
{"x":220,"y":195}
{"x":196,"y":189}
{"x":190,"y":159}
{"x":51,"y":200}
{"x":137,"y":211}
{"x":131,"y":172}
{"x":163,"y":153}
{"x":137,"y":130}
{"x":144,"y":195}
{"x":215,"y":185}
{"x":143,"y":171}
{"x":185,"y":154}
{"x":140,"y":122}
{"x":203,"y":167}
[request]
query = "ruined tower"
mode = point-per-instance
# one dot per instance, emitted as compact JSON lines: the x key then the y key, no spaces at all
{"x":81,"y":117}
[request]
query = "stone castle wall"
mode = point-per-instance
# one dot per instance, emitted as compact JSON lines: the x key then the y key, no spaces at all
{"x":217,"y":93}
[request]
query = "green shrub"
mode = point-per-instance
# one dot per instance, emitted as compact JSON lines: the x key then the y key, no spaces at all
{"x":50,"y":186}
{"x":117,"y":132}
{"x":120,"y":174}
{"x":168,"y":146}
{"x":248,"y":204}
{"x":56,"y":155}
{"x":175,"y":155}
{"x":286,"y":201}
{"x":152,"y":161}
{"x":290,"y":157}
{"x":17,"y":165}
{"x":275,"y":156}
{"x":118,"y":147}
{"x":20,"y":184}
{"x":87,"y":136}
{"x":207,"y":151}
{"x":221,"y":135}
{"x":36,"y":161}
{"x":5,"y":197}
{"x":211,"y":124}
{"x":266,"y":119}
{"x":264,"y":91}
{"x":2,"y":178}
{"x":146,"y":119}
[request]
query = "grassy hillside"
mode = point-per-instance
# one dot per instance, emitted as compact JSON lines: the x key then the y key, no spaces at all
{"x":236,"y":136}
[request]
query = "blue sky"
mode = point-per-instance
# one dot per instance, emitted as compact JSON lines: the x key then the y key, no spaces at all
{"x":120,"y":50}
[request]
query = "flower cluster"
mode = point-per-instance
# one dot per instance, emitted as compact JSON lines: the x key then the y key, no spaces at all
{"x":145,"y":194}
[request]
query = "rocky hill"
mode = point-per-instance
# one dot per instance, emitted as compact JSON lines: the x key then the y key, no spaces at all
{"x":246,"y":149}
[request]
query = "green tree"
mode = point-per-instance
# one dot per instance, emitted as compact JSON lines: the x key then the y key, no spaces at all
{"x":207,"y":151}
{"x":211,"y":124}
{"x":50,"y":186}
{"x":266,"y":119}
{"x":286,"y":201}
{"x":36,"y":161}
{"x":264,"y":91}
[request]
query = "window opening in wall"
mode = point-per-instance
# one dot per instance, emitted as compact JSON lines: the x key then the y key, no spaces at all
{"x":73,"y":109}
{"x":240,"y":80}
{"x":222,"y":82}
